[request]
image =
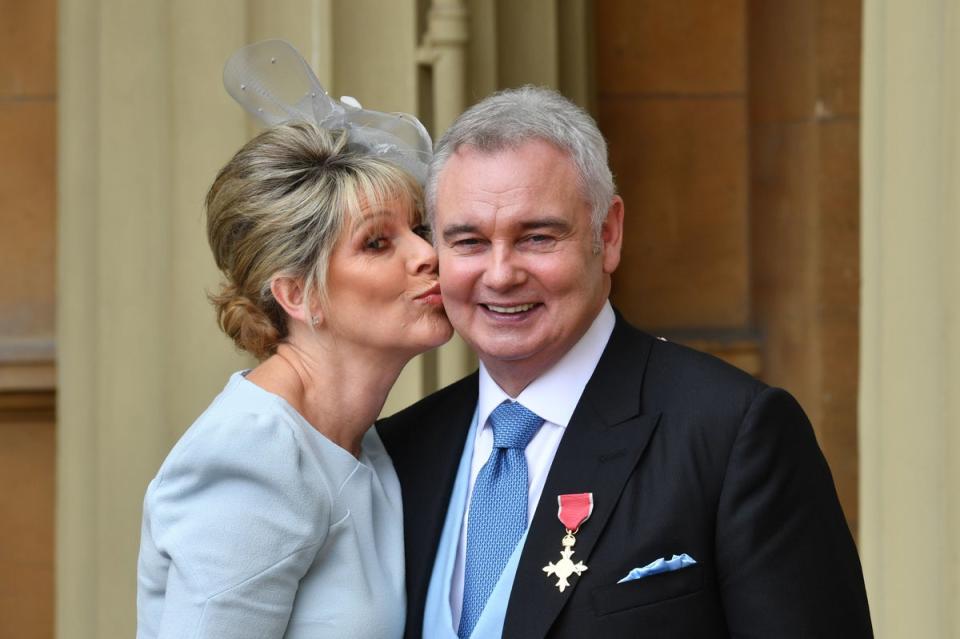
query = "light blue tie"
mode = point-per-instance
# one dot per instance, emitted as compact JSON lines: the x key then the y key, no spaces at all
{"x":498,"y":508}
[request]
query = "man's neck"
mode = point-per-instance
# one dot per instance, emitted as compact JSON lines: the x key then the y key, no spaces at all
{"x":513,"y":376}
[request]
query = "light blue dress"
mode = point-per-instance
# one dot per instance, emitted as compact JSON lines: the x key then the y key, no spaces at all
{"x":259,"y":527}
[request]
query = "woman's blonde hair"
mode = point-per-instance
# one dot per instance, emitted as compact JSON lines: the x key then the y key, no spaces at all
{"x":278,"y":208}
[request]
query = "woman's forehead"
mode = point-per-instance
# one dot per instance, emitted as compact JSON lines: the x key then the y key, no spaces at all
{"x":372,"y":208}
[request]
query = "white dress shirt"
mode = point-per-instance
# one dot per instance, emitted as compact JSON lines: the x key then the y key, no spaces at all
{"x":553,"y":396}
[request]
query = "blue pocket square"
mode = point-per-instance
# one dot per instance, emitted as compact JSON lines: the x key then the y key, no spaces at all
{"x":660,"y":565}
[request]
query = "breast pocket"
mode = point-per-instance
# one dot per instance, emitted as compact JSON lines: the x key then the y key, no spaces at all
{"x":647,"y":590}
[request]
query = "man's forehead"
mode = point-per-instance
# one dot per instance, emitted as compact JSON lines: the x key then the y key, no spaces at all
{"x":508,"y":185}
{"x":487,"y":148}
{"x":533,"y":165}
{"x":490,"y":221}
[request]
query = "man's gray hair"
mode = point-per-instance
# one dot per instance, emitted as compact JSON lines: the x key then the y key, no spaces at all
{"x":508,"y":119}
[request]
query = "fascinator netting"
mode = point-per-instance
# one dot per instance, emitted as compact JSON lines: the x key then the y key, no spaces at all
{"x":273,"y":82}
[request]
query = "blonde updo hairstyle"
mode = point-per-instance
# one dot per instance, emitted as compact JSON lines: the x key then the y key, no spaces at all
{"x":278,"y":208}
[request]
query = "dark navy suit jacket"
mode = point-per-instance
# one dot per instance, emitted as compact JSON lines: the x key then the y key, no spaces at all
{"x":683,"y":454}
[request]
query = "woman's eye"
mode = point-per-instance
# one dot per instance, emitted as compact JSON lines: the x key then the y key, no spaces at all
{"x":424,"y":231}
{"x":375,"y":243}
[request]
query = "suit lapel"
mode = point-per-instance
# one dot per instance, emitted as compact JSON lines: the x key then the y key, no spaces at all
{"x":426,"y":458}
{"x":599,"y":450}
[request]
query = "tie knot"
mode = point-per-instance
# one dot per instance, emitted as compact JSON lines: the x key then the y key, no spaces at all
{"x":514,"y":425}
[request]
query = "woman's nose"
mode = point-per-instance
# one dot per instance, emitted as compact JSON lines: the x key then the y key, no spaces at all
{"x":424,"y":256}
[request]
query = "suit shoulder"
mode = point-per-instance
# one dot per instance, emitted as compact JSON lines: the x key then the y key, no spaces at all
{"x":456,"y":392}
{"x":679,"y":375}
{"x":449,"y":400}
{"x":690,"y":361}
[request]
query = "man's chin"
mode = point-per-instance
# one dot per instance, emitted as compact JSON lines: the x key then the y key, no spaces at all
{"x":493,"y":351}
{"x":517,"y":359}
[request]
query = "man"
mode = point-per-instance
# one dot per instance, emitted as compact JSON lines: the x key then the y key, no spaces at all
{"x":707,"y":482}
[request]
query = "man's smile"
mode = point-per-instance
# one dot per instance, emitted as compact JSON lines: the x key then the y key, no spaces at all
{"x":509,"y":310}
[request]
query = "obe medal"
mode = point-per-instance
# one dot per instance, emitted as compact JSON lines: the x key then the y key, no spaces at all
{"x":573,"y":511}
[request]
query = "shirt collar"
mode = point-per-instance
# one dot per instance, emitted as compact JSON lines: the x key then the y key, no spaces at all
{"x":555,"y":394}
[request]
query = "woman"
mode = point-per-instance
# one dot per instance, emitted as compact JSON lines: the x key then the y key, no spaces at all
{"x":278,"y":512}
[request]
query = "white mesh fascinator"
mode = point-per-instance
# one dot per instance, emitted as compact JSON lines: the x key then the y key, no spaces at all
{"x":275,"y":84}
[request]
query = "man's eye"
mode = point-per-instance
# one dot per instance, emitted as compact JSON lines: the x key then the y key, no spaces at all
{"x":540,"y":241}
{"x":466,"y":244}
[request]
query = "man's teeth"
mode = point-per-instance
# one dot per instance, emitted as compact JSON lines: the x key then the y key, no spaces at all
{"x":510,"y":309}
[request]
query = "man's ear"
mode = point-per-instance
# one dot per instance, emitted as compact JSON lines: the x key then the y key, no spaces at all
{"x":290,"y":294}
{"x":611,"y":235}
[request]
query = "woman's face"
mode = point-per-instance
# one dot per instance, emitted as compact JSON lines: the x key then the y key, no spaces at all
{"x":382,"y":283}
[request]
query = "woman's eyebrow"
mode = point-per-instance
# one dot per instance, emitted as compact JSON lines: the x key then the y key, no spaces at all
{"x":372,"y":215}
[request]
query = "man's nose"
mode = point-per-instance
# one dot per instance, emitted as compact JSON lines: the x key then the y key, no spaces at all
{"x":504,"y":269}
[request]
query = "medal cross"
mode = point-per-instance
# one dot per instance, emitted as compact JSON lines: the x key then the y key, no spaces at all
{"x":565,"y":567}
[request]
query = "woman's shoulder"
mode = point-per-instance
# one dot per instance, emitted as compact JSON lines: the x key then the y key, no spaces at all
{"x":246,"y":437}
{"x":238,"y":494}
{"x":238,"y":416}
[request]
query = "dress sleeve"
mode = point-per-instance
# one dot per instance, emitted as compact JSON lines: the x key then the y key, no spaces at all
{"x":241,"y":515}
{"x":786,"y":560}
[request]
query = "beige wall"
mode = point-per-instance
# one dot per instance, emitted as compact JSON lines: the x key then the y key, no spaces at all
{"x":910,"y":332}
{"x":129,"y":142}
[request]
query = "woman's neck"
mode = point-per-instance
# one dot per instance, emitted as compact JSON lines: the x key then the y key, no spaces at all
{"x":338,"y":393}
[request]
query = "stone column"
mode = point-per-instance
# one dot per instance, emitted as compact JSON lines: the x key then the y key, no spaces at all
{"x":143,"y":125}
{"x":910,"y":333}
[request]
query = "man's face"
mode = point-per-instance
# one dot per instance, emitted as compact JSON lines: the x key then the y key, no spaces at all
{"x":521,"y":277}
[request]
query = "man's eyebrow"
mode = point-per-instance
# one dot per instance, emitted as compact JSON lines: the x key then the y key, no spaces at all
{"x":556,"y":223}
{"x":458,"y":229}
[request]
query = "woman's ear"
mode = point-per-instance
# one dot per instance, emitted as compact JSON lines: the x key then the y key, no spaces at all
{"x":290,"y":294}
